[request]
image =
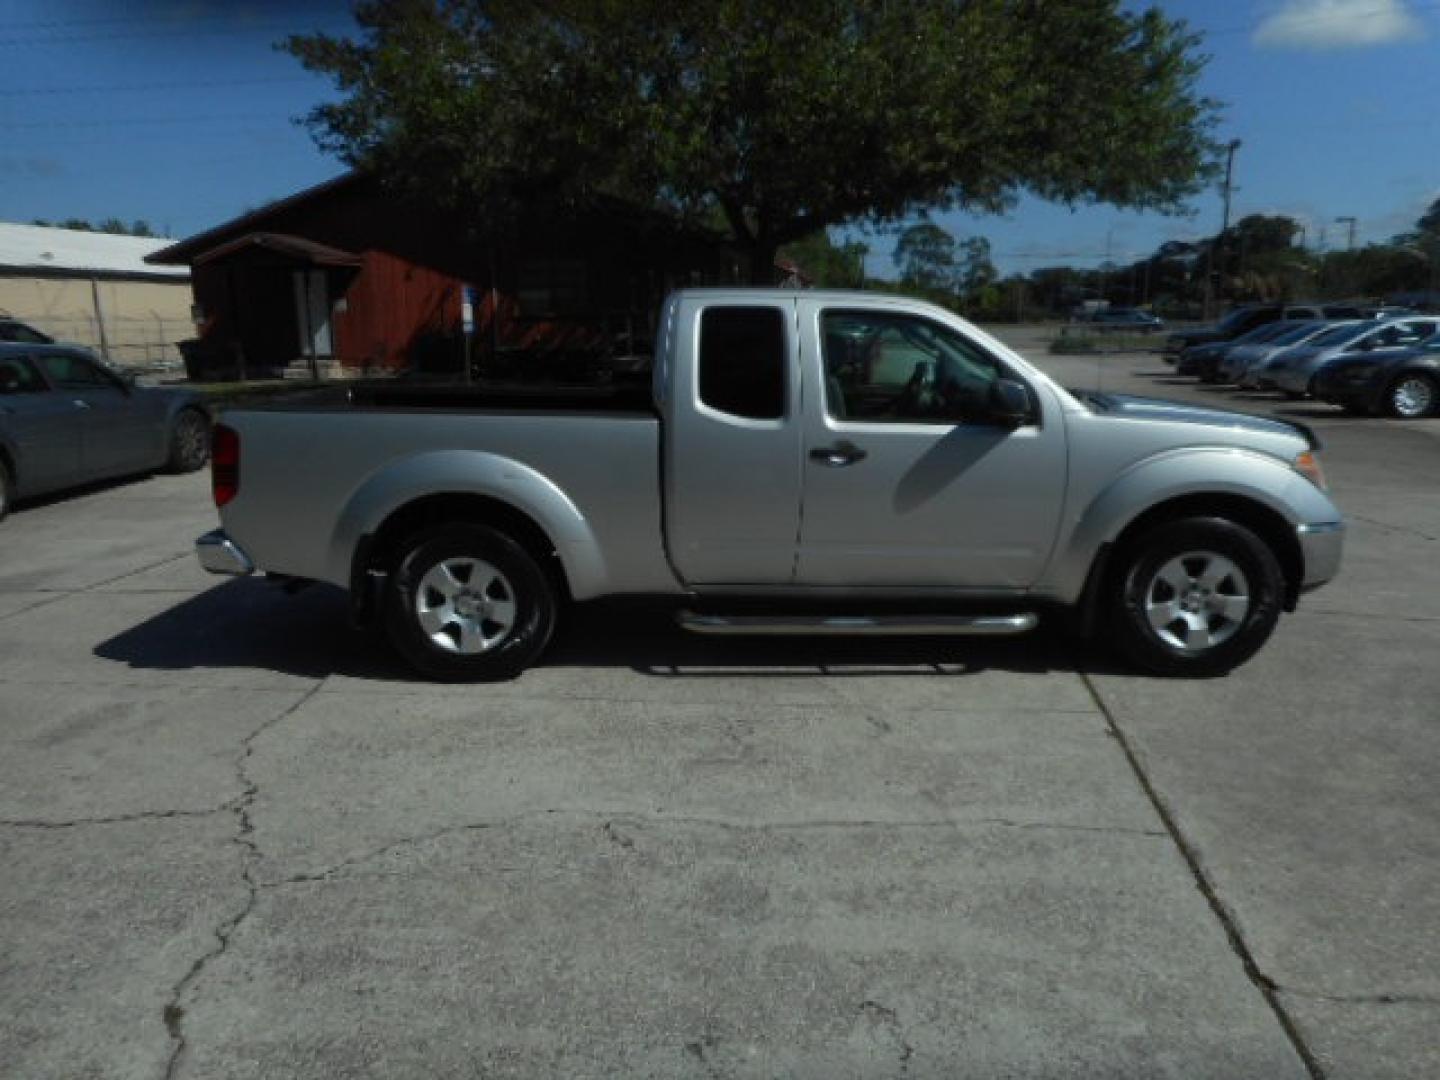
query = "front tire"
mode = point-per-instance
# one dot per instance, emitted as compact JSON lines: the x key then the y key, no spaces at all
{"x":1195,"y":598}
{"x":468,"y":604}
{"x":1412,"y":396}
{"x":7,"y":490}
{"x":189,"y":441}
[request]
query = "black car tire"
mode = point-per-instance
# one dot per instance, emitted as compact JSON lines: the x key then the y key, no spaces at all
{"x":1140,"y":594}
{"x":7,"y":490}
{"x":1394,"y":401}
{"x":511,"y":578}
{"x":189,"y":441}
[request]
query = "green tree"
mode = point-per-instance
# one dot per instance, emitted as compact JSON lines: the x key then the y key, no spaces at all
{"x":925,"y":255}
{"x":786,"y":117}
{"x":974,"y":271}
{"x":827,"y":265}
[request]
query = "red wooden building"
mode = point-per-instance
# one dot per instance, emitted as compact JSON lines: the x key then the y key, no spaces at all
{"x":349,"y":278}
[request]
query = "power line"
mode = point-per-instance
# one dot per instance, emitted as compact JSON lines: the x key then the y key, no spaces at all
{"x":35,"y":125}
{"x":120,"y":88}
{"x":1307,"y":20}
{"x":267,"y":25}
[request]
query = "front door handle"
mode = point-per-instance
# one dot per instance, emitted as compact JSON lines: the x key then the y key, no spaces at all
{"x":80,"y":403}
{"x":838,"y":456}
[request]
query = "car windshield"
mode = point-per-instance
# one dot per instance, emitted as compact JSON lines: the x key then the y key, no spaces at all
{"x":1269,"y":331}
{"x":1236,"y":318}
{"x":1300,"y":332}
{"x":1341,"y":334}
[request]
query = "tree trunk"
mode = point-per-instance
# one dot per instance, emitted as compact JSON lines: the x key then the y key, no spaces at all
{"x":762,"y":262}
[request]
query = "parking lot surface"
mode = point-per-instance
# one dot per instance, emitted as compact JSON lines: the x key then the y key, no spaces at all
{"x":239,"y":840}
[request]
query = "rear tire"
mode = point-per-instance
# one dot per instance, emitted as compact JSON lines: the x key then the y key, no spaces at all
{"x":1195,"y":598}
{"x":1412,"y":396}
{"x":7,"y":490}
{"x":189,"y":441}
{"x":468,"y":604}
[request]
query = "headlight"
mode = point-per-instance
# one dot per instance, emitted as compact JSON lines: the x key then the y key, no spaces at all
{"x":1307,"y":465}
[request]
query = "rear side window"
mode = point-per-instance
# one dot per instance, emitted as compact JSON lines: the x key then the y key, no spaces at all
{"x":742,"y":361}
{"x":17,"y":376}
{"x":73,"y":372}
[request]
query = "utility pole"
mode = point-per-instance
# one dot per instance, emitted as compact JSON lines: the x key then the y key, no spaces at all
{"x":1350,"y":242}
{"x":1225,"y":192}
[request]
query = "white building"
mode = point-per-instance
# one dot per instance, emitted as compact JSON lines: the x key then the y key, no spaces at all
{"x":95,"y":289}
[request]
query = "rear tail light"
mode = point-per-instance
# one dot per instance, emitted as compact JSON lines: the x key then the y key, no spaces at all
{"x":224,"y":464}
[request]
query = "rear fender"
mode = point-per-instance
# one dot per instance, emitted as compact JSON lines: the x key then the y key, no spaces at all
{"x":469,"y":472}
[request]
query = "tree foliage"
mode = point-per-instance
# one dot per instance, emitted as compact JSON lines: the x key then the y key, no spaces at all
{"x":925,"y":256}
{"x":785,"y":116}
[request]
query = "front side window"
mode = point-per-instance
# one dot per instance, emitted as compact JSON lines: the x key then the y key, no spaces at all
{"x":18,"y":376}
{"x":891,"y":368}
{"x":742,"y":361}
{"x":73,"y":371}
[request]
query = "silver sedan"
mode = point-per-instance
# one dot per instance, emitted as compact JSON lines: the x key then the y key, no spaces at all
{"x":1293,"y":371}
{"x":67,"y":420}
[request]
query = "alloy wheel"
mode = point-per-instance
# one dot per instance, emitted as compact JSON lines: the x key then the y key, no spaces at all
{"x":465,"y":606}
{"x":1197,"y":601}
{"x":1412,"y":396}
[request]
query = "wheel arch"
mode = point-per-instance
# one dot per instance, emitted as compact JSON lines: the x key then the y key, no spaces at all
{"x":469,"y":486}
{"x":381,"y":549}
{"x":1272,"y":528}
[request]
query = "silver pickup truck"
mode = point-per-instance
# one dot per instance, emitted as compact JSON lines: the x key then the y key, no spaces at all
{"x":803,"y":462}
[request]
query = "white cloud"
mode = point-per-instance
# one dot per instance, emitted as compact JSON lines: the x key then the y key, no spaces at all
{"x":1339,"y":24}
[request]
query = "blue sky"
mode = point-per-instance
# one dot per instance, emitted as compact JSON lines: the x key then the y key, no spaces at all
{"x":181,"y":112}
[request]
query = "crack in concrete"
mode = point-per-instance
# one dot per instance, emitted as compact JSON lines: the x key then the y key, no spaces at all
{"x":890,"y":1020}
{"x":609,"y":819}
{"x":117,"y":819}
{"x":1393,"y":528}
{"x":173,"y":1014}
{"x":1432,"y":1000}
{"x":1229,"y":922}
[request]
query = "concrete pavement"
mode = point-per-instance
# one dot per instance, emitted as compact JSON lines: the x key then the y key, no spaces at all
{"x":240,"y":841}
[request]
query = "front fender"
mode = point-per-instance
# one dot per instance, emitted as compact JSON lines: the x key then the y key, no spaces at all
{"x":471,"y":472}
{"x":1235,"y":472}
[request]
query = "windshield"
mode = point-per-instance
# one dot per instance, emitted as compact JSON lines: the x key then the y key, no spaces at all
{"x":1269,"y":331}
{"x":1237,"y":318}
{"x":1342,"y":333}
{"x":1294,"y":333}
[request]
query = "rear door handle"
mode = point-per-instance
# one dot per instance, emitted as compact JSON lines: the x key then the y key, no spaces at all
{"x":80,"y":404}
{"x":838,"y":456}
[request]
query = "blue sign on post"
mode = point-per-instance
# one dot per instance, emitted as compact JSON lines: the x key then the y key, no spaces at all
{"x":469,"y":297}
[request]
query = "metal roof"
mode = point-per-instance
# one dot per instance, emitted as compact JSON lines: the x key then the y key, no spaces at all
{"x":58,"y":251}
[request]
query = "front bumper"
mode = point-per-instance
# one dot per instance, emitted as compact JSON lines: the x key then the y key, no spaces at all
{"x":221,"y":555}
{"x":1321,"y":545}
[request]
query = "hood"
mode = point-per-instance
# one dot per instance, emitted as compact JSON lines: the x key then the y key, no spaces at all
{"x":1132,"y":407}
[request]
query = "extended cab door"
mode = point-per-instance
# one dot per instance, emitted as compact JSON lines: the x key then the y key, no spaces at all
{"x":732,"y":440}
{"x":910,"y":481}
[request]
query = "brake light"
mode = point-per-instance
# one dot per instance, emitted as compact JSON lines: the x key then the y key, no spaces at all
{"x":224,"y":464}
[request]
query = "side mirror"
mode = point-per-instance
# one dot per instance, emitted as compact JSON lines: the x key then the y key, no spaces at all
{"x":1010,"y":402}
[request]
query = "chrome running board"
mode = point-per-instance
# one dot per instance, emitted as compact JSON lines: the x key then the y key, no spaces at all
{"x":919,"y":625}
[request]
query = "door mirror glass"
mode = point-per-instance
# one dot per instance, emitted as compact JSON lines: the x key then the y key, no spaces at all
{"x":1010,"y":402}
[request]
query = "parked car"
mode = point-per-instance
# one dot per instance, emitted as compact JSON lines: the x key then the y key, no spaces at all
{"x":1403,"y":383}
{"x":1257,"y":375}
{"x":66,"y":420}
{"x":15,"y":330}
{"x":1126,"y":319}
{"x":1201,"y":360}
{"x":1240,"y":321}
{"x":1292,"y":371}
{"x":1235,"y":362}
{"x":948,"y":487}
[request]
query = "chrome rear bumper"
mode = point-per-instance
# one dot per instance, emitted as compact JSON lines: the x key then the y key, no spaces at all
{"x":221,"y":555}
